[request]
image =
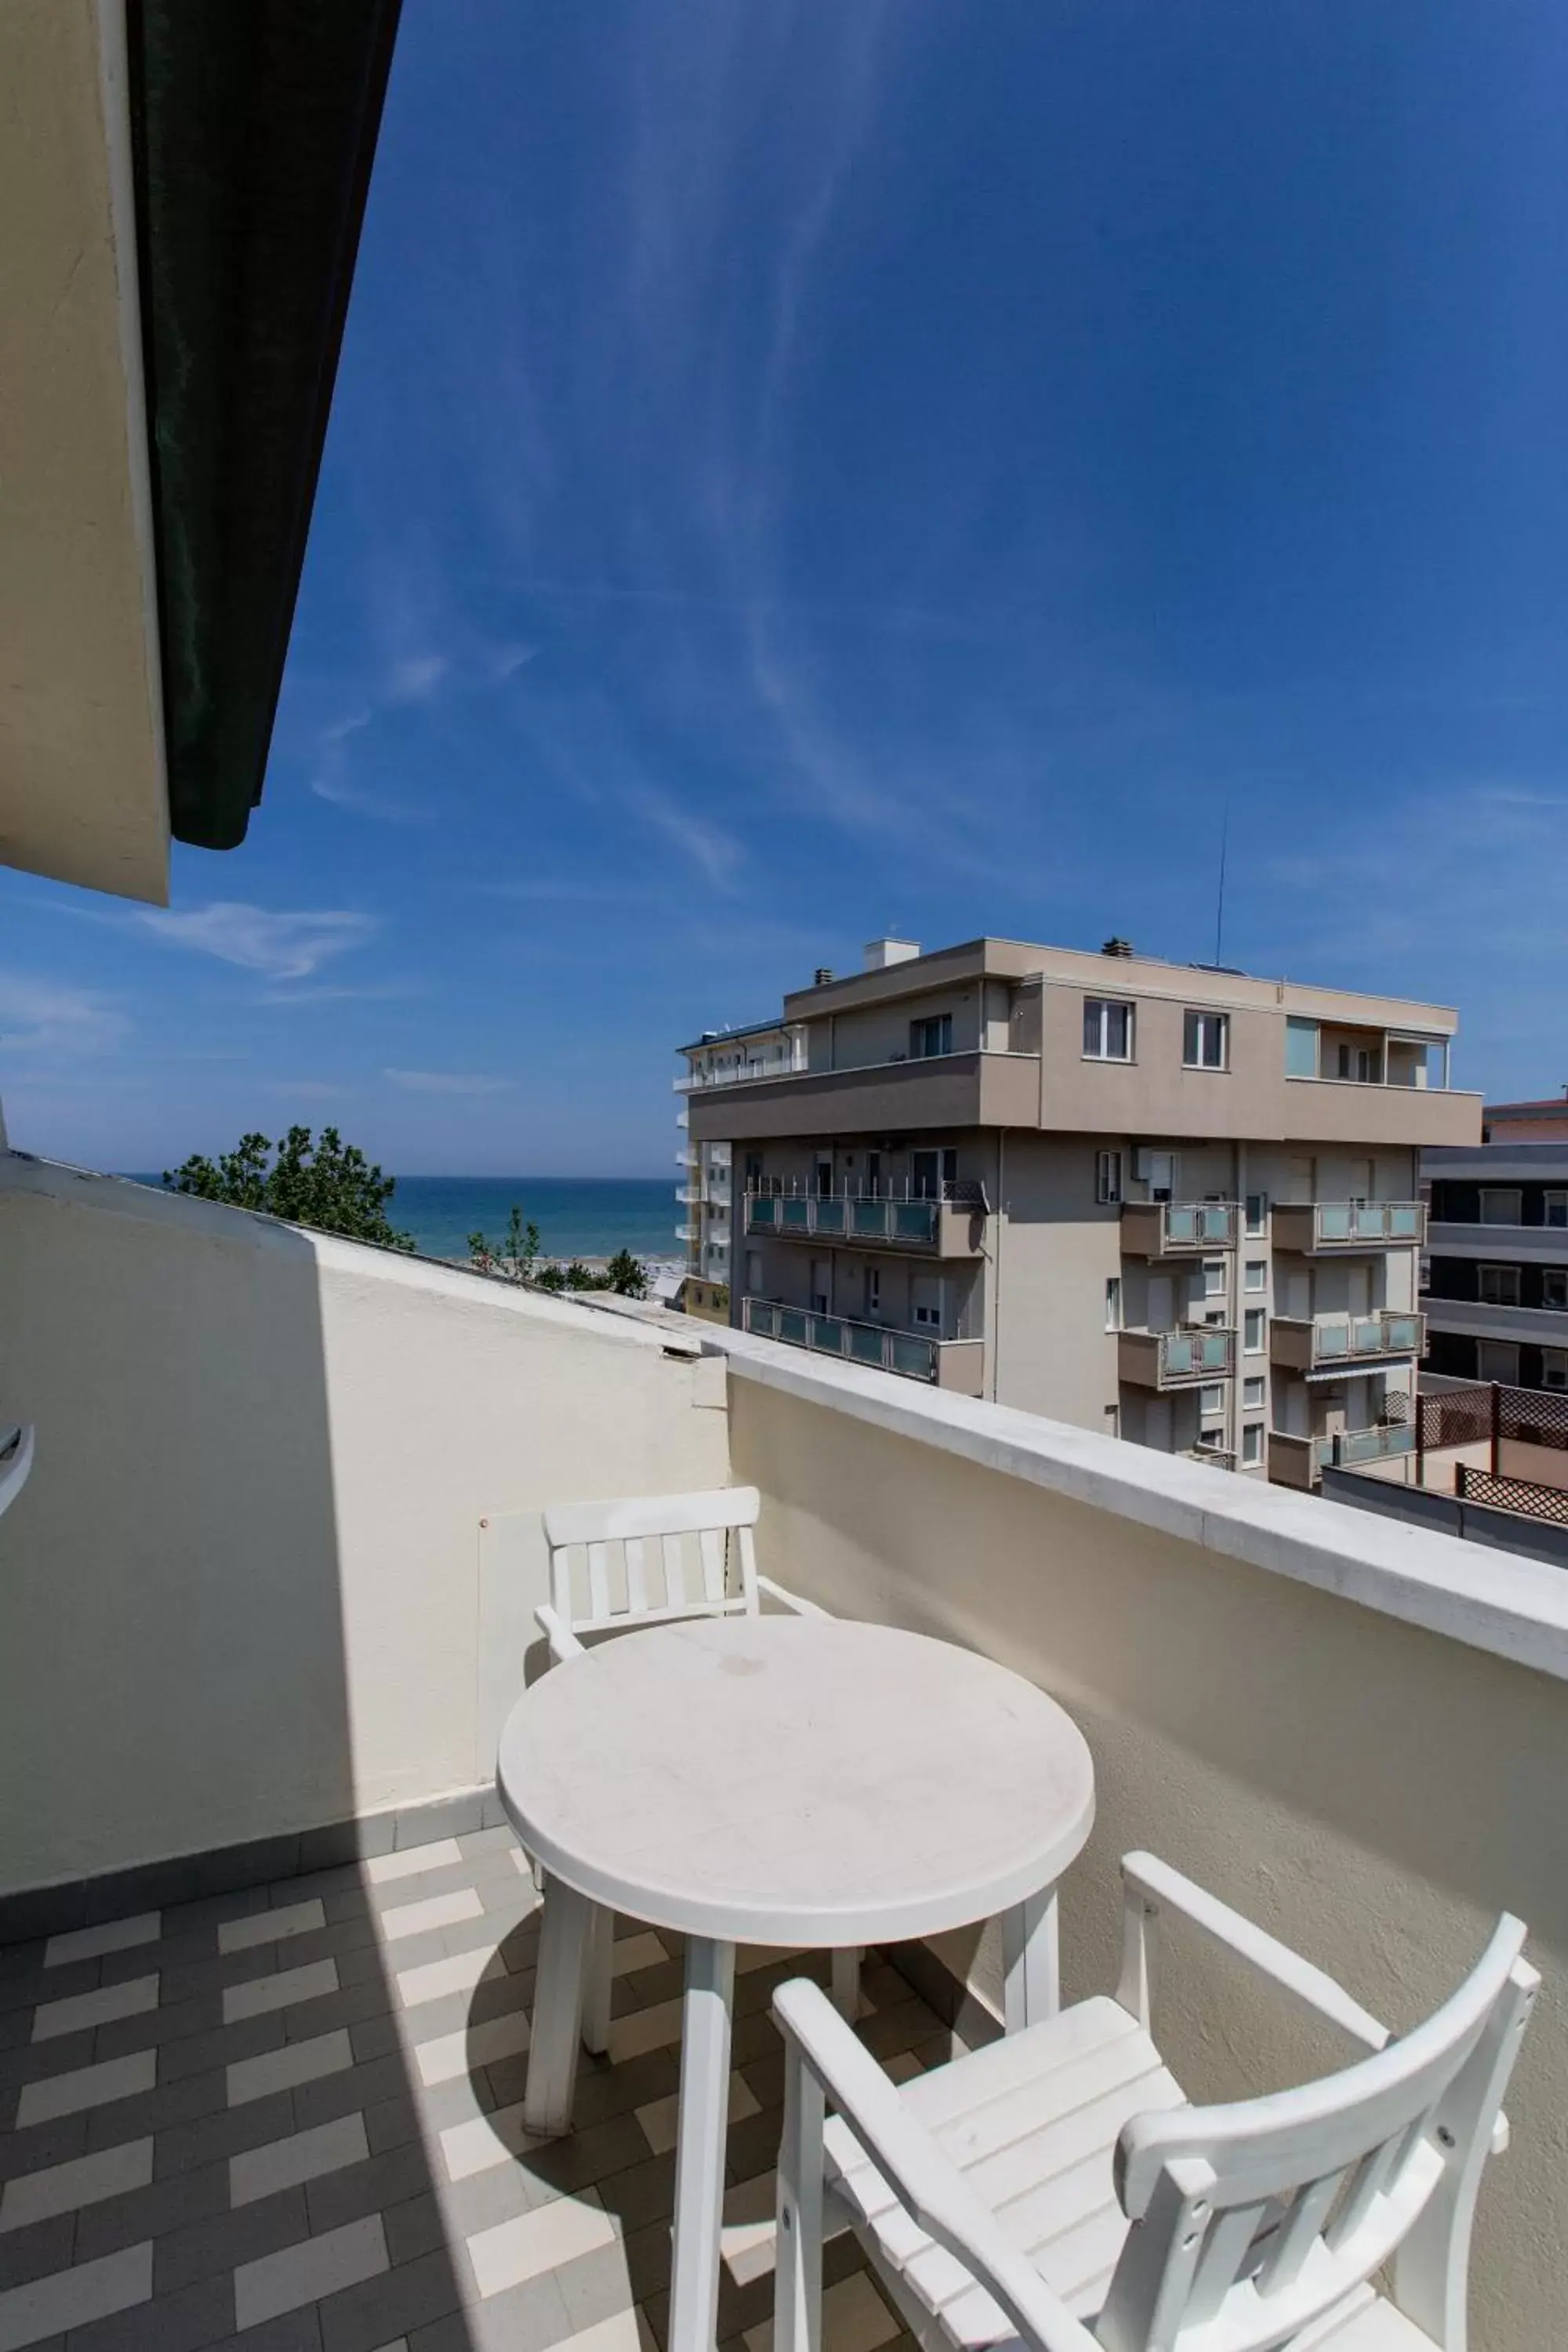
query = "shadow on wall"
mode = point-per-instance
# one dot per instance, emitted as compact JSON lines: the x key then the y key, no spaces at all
{"x":172,"y":1661}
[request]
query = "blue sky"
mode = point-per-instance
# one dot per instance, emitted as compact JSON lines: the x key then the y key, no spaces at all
{"x":807,"y":467}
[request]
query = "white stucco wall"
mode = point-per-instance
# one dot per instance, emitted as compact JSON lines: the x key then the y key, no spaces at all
{"x":242,"y":1593}
{"x":1373,"y":1778}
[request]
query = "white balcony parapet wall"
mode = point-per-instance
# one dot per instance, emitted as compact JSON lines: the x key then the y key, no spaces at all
{"x":242,"y":1593}
{"x":1350,"y":1728}
{"x":1515,"y":1609}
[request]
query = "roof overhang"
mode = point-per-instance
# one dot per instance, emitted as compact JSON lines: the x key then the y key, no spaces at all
{"x":181,"y":191}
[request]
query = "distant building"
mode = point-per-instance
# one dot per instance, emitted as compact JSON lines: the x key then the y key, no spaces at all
{"x":1167,"y":1200}
{"x":721,"y":1057}
{"x":1497,"y":1275}
{"x":1527,"y":1122}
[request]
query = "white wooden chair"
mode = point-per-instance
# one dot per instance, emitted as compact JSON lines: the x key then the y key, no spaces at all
{"x":1057,"y":2191}
{"x":618,"y":1567}
{"x":16,"y":1461}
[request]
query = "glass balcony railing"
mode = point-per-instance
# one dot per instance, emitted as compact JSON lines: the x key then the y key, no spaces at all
{"x":912,"y":1353}
{"x":1185,"y":1355}
{"x":848,"y":1217}
{"x":1198,"y":1224}
{"x":1382,"y":1333}
{"x":1368,"y":1220}
{"x":1347,"y":1447}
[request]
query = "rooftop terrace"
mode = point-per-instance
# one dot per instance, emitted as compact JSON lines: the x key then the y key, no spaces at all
{"x":263,"y":1605}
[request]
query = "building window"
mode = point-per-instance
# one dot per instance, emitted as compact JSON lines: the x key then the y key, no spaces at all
{"x":1255,"y":1391}
{"x":1498,"y":1360}
{"x":1361,"y":1064}
{"x":1252,"y":1444}
{"x":1206,"y":1040}
{"x":1107,"y":1030}
{"x":1554,"y":1287}
{"x":1555,"y":1210}
{"x":1113,"y":1302}
{"x":1253,"y":1325}
{"x":1258,"y":1274}
{"x":1301,"y":1049}
{"x":1424,"y":1280}
{"x":1500,"y":1205}
{"x":930,"y":1037}
{"x":925,"y":1298}
{"x":1554,"y":1368}
{"x":1212,"y":1398}
{"x":873,"y":1290}
{"x":1108,"y":1176}
{"x":754,"y":1273}
{"x":1213,"y":1277}
{"x":1113,"y":1420}
{"x":1498,"y":1286}
{"x":1257,"y":1212}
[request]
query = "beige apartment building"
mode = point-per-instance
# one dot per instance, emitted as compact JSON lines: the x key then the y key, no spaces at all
{"x":721,"y":1057}
{"x":1165,"y":1200}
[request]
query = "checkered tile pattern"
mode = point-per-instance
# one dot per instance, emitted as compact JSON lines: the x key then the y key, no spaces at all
{"x":289,"y":2119}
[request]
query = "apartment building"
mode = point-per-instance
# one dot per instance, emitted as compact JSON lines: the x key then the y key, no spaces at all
{"x":1495,"y":1295}
{"x":721,"y":1057}
{"x":1169,"y":1200}
{"x":1527,"y":1122}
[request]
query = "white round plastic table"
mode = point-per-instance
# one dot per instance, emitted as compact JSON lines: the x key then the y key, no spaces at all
{"x":783,"y":1780}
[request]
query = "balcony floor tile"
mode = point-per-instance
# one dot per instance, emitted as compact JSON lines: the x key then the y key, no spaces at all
{"x":318,"y":2137}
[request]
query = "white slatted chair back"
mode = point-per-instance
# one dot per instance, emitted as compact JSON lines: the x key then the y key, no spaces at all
{"x":16,"y":1461}
{"x":660,"y":1557}
{"x":1252,"y":2222}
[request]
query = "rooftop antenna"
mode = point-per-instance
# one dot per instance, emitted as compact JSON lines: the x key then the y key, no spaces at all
{"x":1219,"y":910}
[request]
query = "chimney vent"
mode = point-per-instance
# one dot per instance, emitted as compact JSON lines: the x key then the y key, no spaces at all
{"x":881,"y":953}
{"x":821,"y":976}
{"x":1117,"y":947}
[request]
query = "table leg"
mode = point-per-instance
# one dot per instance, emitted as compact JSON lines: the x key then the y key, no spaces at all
{"x":847,"y":1983}
{"x":597,"y":1982}
{"x":563,"y":1941}
{"x":1031,"y":1966}
{"x":700,"y":2147}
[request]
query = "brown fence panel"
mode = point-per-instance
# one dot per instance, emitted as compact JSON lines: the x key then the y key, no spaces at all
{"x":1454,"y":1417}
{"x":1521,"y":1494}
{"x":1534,"y":1416}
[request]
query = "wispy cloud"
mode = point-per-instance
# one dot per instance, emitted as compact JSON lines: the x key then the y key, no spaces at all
{"x":48,"y":1016}
{"x":447,"y":1082}
{"x":716,"y":856}
{"x":280,"y":945}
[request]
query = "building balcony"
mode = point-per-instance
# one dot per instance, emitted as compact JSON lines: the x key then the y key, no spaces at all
{"x":1343,"y":1228}
{"x":691,"y":1194}
{"x":1300,"y":1461}
{"x":688,"y":1233}
{"x":938,"y":1092}
{"x":1345,"y":1342}
{"x":290,"y":1702}
{"x":950,"y":1226}
{"x":954,"y":1363}
{"x":1176,"y":1359}
{"x":1509,"y":1244}
{"x":1157,"y":1229}
{"x":763,"y":1067}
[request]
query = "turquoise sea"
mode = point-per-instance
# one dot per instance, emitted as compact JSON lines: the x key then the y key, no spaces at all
{"x":577,"y":1216}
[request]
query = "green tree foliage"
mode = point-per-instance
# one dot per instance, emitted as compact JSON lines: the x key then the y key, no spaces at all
{"x":627,"y":1274}
{"x":513,"y":1256}
{"x":328,"y":1185}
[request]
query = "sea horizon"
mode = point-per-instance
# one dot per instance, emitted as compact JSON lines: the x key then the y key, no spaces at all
{"x":577,"y":1216}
